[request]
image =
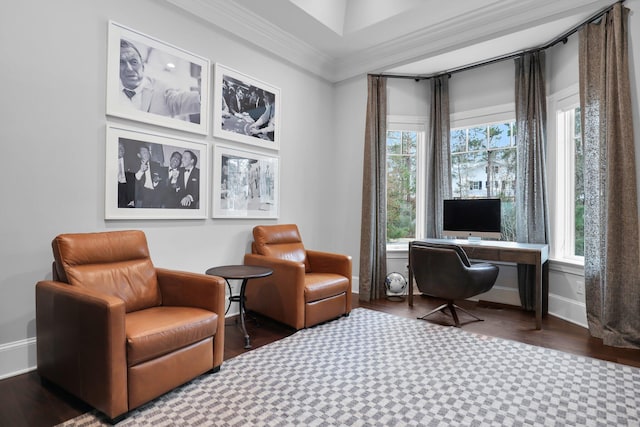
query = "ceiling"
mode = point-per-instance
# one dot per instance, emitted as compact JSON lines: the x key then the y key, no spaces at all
{"x":340,"y":39}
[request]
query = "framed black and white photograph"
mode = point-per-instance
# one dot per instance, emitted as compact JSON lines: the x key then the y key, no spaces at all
{"x":154,"y":82}
{"x":245,"y":109}
{"x":152,"y":176}
{"x":245,"y":184}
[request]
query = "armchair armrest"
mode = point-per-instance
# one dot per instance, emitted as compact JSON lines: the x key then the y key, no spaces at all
{"x":327,"y":262}
{"x":288,"y":274}
{"x":180,"y":288}
{"x":284,"y":286}
{"x":81,"y":344}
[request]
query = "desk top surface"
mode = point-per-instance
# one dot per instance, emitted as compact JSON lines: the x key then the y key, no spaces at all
{"x":489,"y":243}
{"x":495,"y":244}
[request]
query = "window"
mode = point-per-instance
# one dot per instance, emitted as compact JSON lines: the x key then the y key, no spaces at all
{"x":569,"y":243}
{"x":405,"y":145}
{"x":486,"y":153}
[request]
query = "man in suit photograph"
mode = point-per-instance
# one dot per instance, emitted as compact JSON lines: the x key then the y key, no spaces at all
{"x":126,"y":181}
{"x":189,"y":193}
{"x":148,"y":178}
{"x":174,"y":182}
{"x":150,"y":94}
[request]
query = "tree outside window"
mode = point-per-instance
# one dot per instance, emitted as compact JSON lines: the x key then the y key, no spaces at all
{"x":579,"y":185}
{"x":486,"y":153}
{"x":401,"y":185}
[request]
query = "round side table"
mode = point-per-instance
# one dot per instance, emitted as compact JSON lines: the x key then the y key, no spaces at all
{"x":244,"y":273}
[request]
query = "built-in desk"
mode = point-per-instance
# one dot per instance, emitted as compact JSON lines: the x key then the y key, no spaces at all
{"x":520,"y":253}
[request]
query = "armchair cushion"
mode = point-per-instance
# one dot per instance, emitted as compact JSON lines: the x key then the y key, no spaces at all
{"x":116,"y":264}
{"x":323,"y":285}
{"x":280,"y":241}
{"x":160,"y":330}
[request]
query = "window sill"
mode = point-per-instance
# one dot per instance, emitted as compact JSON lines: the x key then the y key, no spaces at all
{"x":399,"y":248}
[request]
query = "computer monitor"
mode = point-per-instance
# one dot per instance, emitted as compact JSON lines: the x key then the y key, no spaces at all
{"x":472,"y":218}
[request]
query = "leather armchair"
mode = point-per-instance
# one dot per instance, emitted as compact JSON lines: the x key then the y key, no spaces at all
{"x":444,"y":271}
{"x":307,"y":287}
{"x":117,"y":332}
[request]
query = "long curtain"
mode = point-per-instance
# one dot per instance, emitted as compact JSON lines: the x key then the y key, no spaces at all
{"x":612,"y":261}
{"x":373,"y":233}
{"x":532,"y":212}
{"x":438,"y":155}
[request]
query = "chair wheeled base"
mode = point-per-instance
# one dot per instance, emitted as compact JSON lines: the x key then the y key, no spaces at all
{"x":452,"y":309}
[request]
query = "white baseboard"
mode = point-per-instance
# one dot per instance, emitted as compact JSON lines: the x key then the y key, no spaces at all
{"x":501,"y":295}
{"x":559,"y":306}
{"x":567,"y":309}
{"x":17,"y":358}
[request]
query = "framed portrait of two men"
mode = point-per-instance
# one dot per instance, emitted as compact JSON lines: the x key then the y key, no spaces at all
{"x":154,"y":82}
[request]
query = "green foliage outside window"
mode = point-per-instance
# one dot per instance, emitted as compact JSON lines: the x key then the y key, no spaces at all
{"x":401,"y":185}
{"x":579,"y":187}
{"x":486,"y":155}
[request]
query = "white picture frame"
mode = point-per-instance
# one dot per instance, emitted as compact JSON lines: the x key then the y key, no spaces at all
{"x":238,"y":123}
{"x":246,"y":184}
{"x":170,"y":85}
{"x":158,"y":192}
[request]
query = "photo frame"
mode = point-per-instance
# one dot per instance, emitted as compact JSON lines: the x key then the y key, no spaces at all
{"x":246,"y":184}
{"x":153,"y":176}
{"x":245,"y":109}
{"x":154,"y":82}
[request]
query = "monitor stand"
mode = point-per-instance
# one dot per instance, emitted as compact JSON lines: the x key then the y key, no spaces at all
{"x":474,"y":239}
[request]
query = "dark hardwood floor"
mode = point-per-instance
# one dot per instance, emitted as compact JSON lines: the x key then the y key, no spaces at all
{"x":25,"y":401}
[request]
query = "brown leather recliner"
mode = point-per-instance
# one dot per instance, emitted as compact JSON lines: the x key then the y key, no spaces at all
{"x":307,"y":287}
{"x":117,"y":332}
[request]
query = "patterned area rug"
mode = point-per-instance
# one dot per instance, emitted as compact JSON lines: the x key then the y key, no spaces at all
{"x":376,"y":369}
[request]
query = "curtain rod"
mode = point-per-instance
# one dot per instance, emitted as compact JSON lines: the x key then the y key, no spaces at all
{"x":562,"y":38}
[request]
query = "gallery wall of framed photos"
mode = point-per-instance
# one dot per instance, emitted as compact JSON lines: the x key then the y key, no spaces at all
{"x":152,"y":174}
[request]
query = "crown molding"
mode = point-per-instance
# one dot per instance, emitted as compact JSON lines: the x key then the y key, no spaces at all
{"x":254,"y":30}
{"x":459,"y":32}
{"x":498,"y":19}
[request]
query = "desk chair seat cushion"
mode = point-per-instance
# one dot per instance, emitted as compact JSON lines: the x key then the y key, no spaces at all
{"x":157,"y":331}
{"x":318,"y":286}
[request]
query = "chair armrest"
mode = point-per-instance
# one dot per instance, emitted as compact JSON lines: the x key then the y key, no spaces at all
{"x":81,"y":344}
{"x":181,"y":288}
{"x":327,"y":262}
{"x":279,"y":266}
{"x":284,"y":288}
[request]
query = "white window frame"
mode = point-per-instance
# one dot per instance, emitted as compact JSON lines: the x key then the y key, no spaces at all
{"x":413,"y":124}
{"x":562,"y":166}
{"x":486,"y":116}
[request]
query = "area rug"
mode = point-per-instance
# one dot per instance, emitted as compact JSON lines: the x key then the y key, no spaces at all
{"x":376,"y":369}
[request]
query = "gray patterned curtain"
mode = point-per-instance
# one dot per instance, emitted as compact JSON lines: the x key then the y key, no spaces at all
{"x":532,"y":212}
{"x":438,"y":155}
{"x":373,"y":232}
{"x":612,"y":261}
